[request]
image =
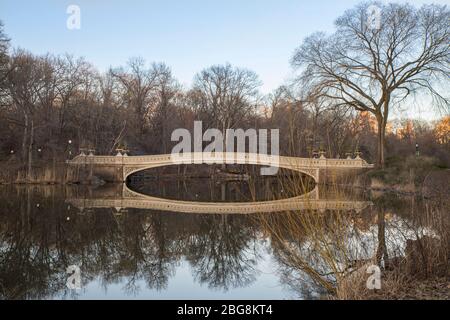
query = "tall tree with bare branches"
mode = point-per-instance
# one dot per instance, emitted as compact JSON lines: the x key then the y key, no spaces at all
{"x":224,"y":95}
{"x":4,"y":43}
{"x":376,"y":67}
{"x":139,"y":84}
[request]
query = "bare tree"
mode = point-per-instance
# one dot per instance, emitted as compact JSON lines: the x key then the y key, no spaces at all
{"x":166,"y":91}
{"x":138,"y":83}
{"x":375,"y":69}
{"x":224,"y":94}
{"x":71,"y":75}
{"x":288,"y":114}
{"x":30,"y":86}
{"x":4,"y":43}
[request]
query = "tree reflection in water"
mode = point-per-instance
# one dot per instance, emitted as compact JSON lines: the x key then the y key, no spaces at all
{"x":223,"y":254}
{"x":41,"y":235}
{"x":46,"y":236}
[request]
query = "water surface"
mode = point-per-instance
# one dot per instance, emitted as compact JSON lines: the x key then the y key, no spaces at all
{"x":131,"y":253}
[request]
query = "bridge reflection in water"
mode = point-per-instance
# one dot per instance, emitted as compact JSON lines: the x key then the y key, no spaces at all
{"x":127,"y":199}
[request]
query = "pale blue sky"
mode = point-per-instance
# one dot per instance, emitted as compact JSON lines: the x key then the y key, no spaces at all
{"x":188,"y":35}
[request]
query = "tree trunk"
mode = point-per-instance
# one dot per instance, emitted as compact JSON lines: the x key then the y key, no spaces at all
{"x":24,"y":139}
{"x":381,"y":141}
{"x":164,"y":106}
{"x":224,"y":164}
{"x":164,"y":134}
{"x":382,"y":253}
{"x":30,"y":152}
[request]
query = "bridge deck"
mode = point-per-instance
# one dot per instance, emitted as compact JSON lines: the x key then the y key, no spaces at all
{"x":239,"y":158}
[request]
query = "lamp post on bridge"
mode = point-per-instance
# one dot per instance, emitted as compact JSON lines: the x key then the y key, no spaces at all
{"x":82,"y":152}
{"x":69,"y":147}
{"x":39,"y":152}
{"x":122,"y":152}
{"x":309,"y":145}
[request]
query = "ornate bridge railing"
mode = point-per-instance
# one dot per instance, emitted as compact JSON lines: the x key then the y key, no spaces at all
{"x":223,"y":157}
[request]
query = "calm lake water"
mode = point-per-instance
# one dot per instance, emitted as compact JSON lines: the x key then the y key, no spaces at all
{"x":133,"y":253}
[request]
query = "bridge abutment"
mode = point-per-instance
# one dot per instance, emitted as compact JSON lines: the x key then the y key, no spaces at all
{"x":90,"y":173}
